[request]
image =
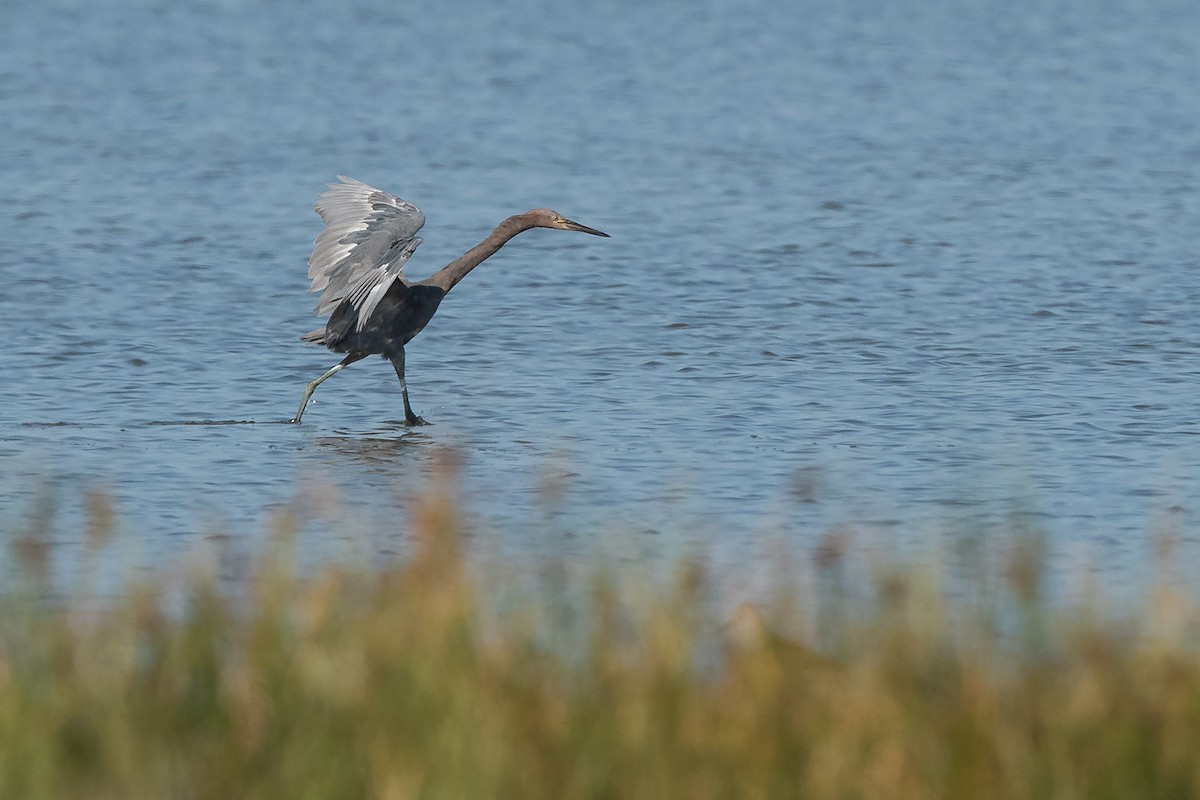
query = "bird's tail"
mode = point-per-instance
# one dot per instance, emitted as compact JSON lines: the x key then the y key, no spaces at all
{"x":314,"y":337}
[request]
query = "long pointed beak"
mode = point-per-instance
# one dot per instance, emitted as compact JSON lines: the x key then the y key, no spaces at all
{"x":571,"y":225}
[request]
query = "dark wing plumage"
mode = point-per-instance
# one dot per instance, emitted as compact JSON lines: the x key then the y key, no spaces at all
{"x":368,"y":236}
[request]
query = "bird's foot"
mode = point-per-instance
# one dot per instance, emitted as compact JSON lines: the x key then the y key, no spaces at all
{"x":414,"y":420}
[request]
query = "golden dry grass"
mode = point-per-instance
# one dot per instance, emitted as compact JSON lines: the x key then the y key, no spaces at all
{"x":410,"y":681}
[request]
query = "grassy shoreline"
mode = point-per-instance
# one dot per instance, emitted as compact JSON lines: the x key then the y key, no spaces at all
{"x":424,"y":679}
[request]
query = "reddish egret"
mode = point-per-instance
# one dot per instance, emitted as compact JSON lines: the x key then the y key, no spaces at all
{"x":357,"y":265}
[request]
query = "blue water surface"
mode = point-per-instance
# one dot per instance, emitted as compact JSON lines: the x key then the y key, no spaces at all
{"x":903,"y":267}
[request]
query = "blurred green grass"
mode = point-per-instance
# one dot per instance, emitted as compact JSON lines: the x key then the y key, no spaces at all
{"x":421,"y":679}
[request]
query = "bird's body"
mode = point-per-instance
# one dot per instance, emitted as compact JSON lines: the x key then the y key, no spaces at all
{"x":357,"y":264}
{"x":402,"y":313}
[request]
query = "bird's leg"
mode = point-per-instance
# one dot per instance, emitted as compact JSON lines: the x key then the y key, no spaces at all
{"x":409,"y":417}
{"x":308,"y":390}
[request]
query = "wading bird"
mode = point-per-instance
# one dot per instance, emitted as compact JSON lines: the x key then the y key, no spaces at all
{"x":357,"y":263}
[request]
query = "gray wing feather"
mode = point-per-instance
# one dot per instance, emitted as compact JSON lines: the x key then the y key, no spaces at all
{"x":368,"y":236}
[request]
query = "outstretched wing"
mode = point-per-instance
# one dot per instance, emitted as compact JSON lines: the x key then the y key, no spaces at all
{"x":368,"y":236}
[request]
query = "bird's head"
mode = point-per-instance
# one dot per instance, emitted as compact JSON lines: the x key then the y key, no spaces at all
{"x":546,"y":218}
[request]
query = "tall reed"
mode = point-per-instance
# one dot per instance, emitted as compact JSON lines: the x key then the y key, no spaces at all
{"x":419,"y":679}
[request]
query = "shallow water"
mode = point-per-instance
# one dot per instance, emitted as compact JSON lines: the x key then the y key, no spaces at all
{"x":902,"y":266}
